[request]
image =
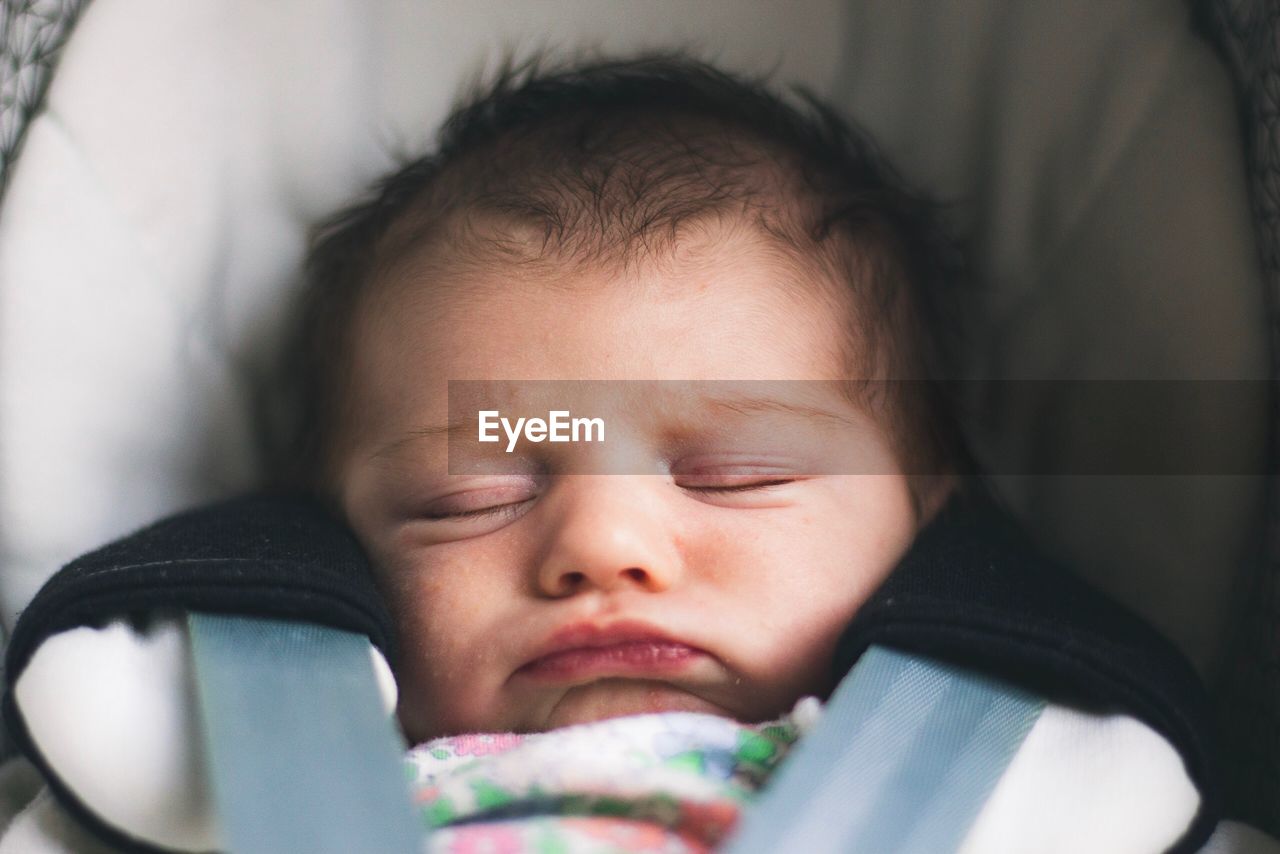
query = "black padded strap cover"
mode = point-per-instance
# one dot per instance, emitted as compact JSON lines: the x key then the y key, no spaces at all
{"x":973,"y":590}
{"x":279,"y":556}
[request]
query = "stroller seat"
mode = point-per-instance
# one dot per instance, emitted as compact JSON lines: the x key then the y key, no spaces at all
{"x":162,"y":162}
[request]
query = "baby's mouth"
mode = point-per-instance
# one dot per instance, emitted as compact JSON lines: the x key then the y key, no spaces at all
{"x":639,"y":658}
{"x":582,"y":651}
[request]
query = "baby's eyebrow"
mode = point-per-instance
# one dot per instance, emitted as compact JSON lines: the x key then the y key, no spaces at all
{"x":747,"y":405}
{"x":424,"y":432}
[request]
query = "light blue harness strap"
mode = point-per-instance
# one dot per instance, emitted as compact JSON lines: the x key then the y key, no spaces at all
{"x":906,"y":754}
{"x":301,"y":753}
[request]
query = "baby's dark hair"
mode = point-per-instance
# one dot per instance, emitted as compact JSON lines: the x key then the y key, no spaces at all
{"x":605,"y":162}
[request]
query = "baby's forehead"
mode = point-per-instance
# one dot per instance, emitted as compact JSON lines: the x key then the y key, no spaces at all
{"x":726,"y":300}
{"x":714,"y":268}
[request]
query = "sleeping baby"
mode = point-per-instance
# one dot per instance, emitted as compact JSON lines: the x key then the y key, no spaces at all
{"x":634,"y":396}
{"x":736,"y":290}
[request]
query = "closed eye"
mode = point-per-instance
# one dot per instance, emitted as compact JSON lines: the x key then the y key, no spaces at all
{"x":484,"y":501}
{"x":477,"y":513}
{"x":738,"y":487}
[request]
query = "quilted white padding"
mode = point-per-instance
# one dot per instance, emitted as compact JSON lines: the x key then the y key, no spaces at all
{"x":156,"y":219}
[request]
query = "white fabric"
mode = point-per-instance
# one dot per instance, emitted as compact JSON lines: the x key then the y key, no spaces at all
{"x":113,"y":710}
{"x":1106,"y":784}
{"x":158,"y":210}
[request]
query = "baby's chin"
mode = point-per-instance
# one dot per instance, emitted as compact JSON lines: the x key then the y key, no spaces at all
{"x":615,"y":698}
{"x":599,"y":700}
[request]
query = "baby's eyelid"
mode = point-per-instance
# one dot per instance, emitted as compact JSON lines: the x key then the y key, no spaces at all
{"x":735,"y":465}
{"x":737,"y":482}
{"x":478,"y":502}
{"x":734,"y":474}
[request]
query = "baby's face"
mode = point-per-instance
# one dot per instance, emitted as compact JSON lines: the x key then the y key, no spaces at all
{"x":534,"y":596}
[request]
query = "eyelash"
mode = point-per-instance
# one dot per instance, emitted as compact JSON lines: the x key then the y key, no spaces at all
{"x":478,"y":513}
{"x":742,"y":487}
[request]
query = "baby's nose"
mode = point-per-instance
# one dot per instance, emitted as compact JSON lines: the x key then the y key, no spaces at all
{"x":565,"y":582}
{"x":608,"y":535}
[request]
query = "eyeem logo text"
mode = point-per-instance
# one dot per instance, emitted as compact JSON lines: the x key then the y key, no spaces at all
{"x":557,"y":427}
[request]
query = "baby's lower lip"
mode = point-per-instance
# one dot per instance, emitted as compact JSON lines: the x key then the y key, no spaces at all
{"x":620,"y":659}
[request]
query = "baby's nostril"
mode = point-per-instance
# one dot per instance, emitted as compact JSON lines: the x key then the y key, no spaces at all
{"x":636,"y":574}
{"x":575,"y":578}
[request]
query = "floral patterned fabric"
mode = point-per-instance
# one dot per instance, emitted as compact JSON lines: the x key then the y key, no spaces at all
{"x":668,"y":782}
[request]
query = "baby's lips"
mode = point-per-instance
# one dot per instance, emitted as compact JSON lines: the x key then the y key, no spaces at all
{"x":625,"y":642}
{"x":628,"y":658}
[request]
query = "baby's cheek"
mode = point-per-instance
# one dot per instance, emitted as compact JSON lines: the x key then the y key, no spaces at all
{"x":723,"y":553}
{"x":451,"y":666}
{"x":801,"y":636}
{"x":441,"y":687}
